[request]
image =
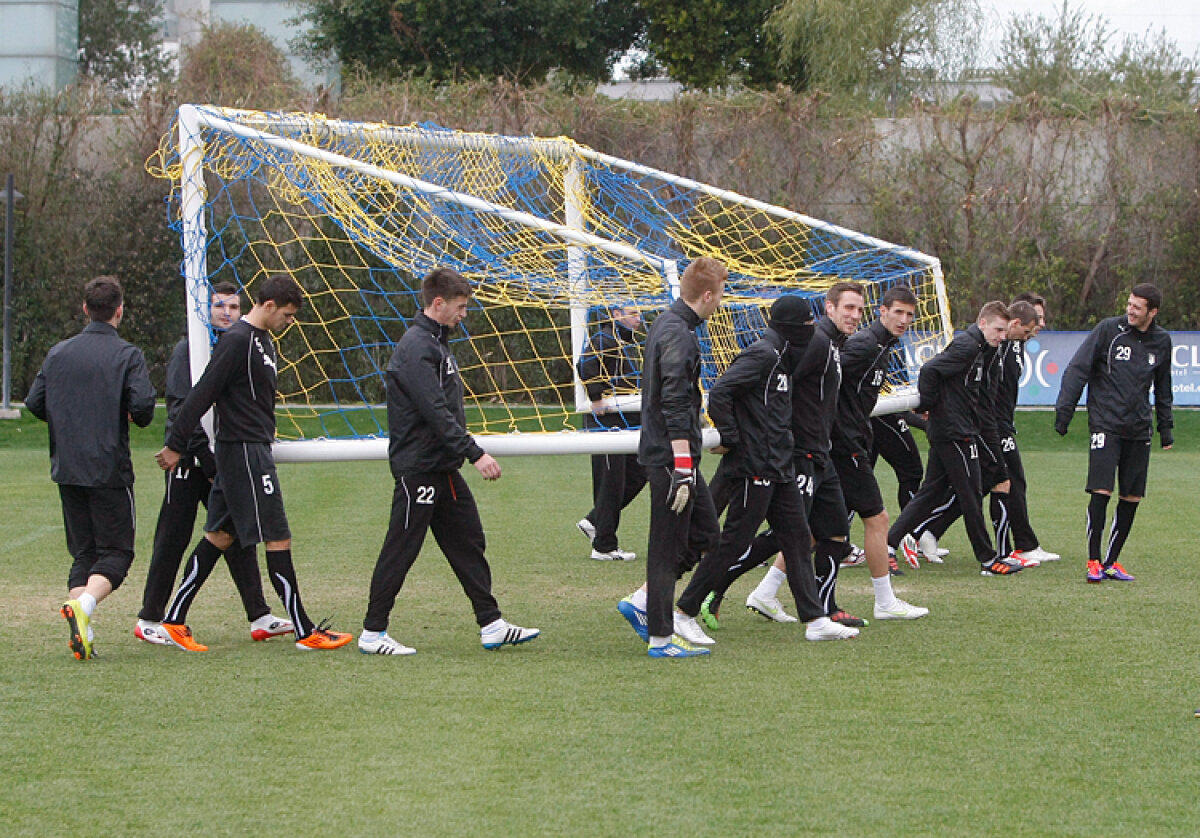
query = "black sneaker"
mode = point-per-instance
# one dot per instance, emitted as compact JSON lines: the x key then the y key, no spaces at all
{"x":1000,"y":567}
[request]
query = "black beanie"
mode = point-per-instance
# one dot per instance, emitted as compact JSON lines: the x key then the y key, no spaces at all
{"x":792,"y":318}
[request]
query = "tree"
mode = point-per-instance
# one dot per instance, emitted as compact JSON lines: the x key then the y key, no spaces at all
{"x":120,"y":43}
{"x":1071,"y":60}
{"x":705,"y":44}
{"x":237,"y":64}
{"x":1064,"y":58}
{"x":876,"y":46}
{"x":452,"y":39}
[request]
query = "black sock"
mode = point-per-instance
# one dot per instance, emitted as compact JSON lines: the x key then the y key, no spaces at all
{"x":283,"y":580}
{"x":204,"y":558}
{"x":1000,"y":523}
{"x":1097,"y":509}
{"x":1122,"y":523}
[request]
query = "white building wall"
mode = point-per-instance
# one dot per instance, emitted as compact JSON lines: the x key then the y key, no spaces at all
{"x":38,"y":42}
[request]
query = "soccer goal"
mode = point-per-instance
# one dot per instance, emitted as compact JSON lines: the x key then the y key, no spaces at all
{"x":551,"y":234}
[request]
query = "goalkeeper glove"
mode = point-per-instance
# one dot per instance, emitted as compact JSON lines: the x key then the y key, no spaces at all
{"x":683,"y":482}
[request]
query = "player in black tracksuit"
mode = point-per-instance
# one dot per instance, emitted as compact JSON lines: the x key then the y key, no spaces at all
{"x":187,"y":487}
{"x":427,"y":444}
{"x":87,"y":390}
{"x":1119,"y":362}
{"x":866,"y":357}
{"x":949,"y":386}
{"x":608,"y":367}
{"x":751,"y":408}
{"x":994,"y":475}
{"x":683,"y":522}
{"x":245,"y":503}
{"x":816,"y":382}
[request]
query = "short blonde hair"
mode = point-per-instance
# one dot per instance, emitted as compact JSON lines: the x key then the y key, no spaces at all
{"x":704,"y":274}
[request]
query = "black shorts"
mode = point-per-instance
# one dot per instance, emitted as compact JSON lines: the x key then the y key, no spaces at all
{"x":100,"y":525}
{"x":1111,"y":455}
{"x":860,"y":489}
{"x":822,"y":492}
{"x":246,"y":500}
{"x":993,"y":469}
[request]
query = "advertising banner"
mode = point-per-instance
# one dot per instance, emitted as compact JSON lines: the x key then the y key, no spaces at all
{"x":1047,"y":356}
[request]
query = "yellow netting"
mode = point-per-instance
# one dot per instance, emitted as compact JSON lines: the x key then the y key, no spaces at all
{"x":359,"y":212}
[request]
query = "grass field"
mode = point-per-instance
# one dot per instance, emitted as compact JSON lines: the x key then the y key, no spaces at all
{"x":1034,"y":705}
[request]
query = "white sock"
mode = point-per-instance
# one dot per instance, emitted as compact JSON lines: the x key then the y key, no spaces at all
{"x":658,"y":642}
{"x":370,"y":636}
{"x":885,"y":597}
{"x":495,"y":625}
{"x":768,"y":588}
{"x":820,"y":622}
{"x":638,"y":598}
{"x":87,"y":602}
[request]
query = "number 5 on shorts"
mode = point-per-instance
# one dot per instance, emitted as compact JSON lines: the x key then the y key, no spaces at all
{"x":268,"y":486}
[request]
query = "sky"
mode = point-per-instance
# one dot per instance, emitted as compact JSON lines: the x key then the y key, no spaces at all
{"x":1181,"y":18}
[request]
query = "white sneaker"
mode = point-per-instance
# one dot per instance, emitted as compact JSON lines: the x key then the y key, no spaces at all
{"x":587,"y":528}
{"x":830,"y":631}
{"x":900,"y":610}
{"x":150,"y":632}
{"x":856,"y":557}
{"x":268,"y":626}
{"x":506,"y":634}
{"x":687,"y":628}
{"x":614,"y":556}
{"x":1023,"y":559}
{"x":1038,"y":554}
{"x":908,"y":552}
{"x":383,"y":645}
{"x":769,"y":608}
{"x":928,"y":546}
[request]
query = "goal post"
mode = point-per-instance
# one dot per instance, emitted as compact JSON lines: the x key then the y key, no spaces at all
{"x":552,"y":236}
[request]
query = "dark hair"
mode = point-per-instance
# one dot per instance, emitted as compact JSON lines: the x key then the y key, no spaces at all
{"x":1024,"y":311}
{"x":992,"y":310}
{"x":1149,"y":293}
{"x":279,"y":289}
{"x":1031,"y":298}
{"x":102,"y":296}
{"x":446,"y":283}
{"x":225,"y":288}
{"x":834,"y":294}
{"x":898,"y":294}
{"x":703,"y":274}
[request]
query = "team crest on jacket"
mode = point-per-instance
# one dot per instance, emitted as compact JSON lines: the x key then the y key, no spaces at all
{"x":1152,"y":359}
{"x":451,"y":366}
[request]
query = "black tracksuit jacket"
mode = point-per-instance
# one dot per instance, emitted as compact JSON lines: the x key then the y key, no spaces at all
{"x":88,"y":387}
{"x":671,"y":387}
{"x":427,"y":426}
{"x":240,"y":380}
{"x":948,"y":387}
{"x":751,"y":407}
{"x":865,"y":358}
{"x":179,"y":384}
{"x":1118,"y":364}
{"x":817,"y":379}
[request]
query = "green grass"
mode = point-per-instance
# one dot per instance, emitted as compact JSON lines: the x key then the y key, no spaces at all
{"x":1037,"y":705}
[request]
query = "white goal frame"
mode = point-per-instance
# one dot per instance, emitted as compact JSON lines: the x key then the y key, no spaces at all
{"x":192,"y":119}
